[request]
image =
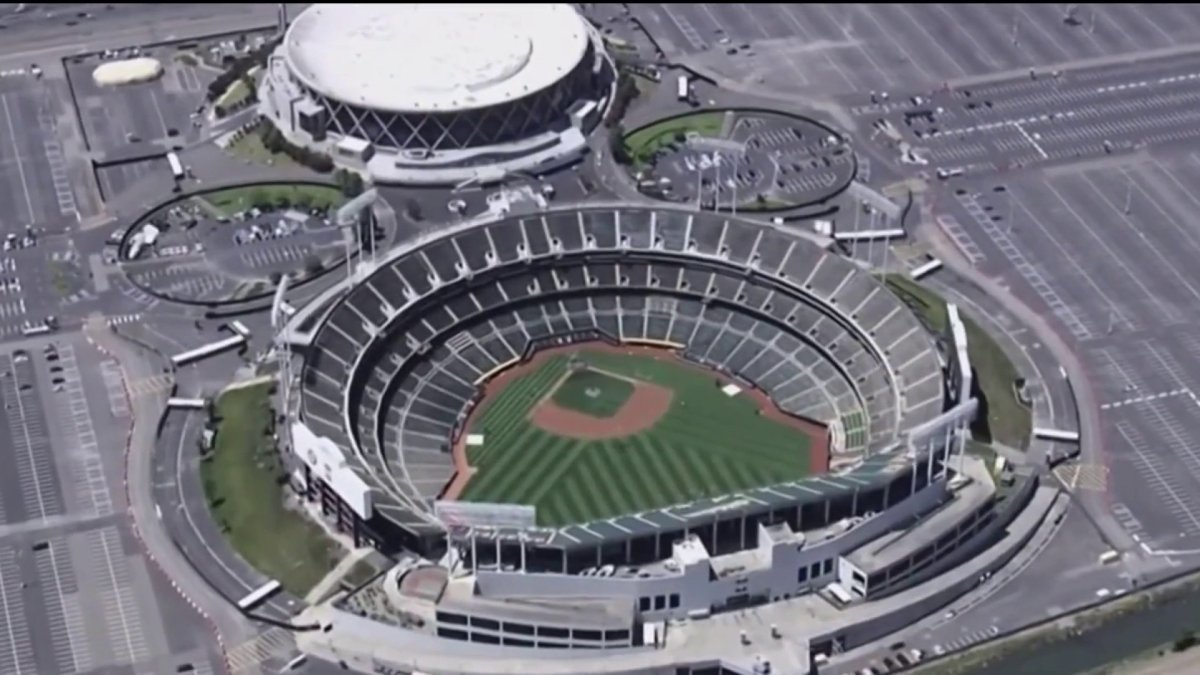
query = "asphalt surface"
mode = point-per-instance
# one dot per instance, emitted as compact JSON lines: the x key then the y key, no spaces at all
{"x":859,"y":48}
{"x":1093,"y":230}
{"x":77,"y":595}
{"x":1049,"y":119}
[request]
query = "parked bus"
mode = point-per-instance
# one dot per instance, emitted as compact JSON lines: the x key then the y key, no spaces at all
{"x":684,"y":91}
{"x":258,"y":595}
{"x":176,"y":166}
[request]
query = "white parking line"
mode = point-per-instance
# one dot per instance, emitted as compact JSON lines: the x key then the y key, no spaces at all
{"x":12,"y":135}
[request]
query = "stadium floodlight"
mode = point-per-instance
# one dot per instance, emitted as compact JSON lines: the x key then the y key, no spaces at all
{"x":283,"y":356}
{"x":720,"y":148}
{"x":348,"y":218}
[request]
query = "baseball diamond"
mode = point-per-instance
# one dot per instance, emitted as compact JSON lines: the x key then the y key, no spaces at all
{"x":592,"y":431}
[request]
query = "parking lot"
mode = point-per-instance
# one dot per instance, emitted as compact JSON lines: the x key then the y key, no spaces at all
{"x":765,"y":161}
{"x":132,"y":119}
{"x":39,"y":175}
{"x":116,"y":179}
{"x":75,"y":593}
{"x":1052,"y":119}
{"x":1109,"y":251}
{"x":197,"y":258}
{"x":859,"y":47}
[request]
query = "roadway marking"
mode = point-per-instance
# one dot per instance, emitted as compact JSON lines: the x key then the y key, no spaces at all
{"x":274,"y":643}
{"x":1086,"y":476}
{"x":1150,"y":397}
{"x":1034,"y":143}
{"x":12,"y":134}
{"x":150,"y":385}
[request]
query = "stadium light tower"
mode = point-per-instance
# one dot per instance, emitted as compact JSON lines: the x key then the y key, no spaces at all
{"x":719,"y":147}
{"x":349,"y":219}
{"x":283,"y":356}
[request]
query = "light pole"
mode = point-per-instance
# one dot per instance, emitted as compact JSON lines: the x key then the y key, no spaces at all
{"x":1128,"y":195}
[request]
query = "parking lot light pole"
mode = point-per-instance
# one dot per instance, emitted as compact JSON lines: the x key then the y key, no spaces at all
{"x":1128,"y":195}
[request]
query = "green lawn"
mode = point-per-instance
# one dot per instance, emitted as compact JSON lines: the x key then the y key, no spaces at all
{"x":707,"y":444}
{"x":643,"y":143}
{"x":1008,"y":421}
{"x":240,"y":478}
{"x":234,"y":200}
{"x":250,"y":148}
{"x":593,"y":393}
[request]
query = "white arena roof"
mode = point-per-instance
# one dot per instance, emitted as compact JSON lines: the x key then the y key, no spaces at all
{"x":415,"y":57}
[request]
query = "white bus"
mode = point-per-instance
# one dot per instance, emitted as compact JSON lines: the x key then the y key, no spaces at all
{"x":176,"y":166}
{"x":258,"y":595}
{"x":684,"y":91}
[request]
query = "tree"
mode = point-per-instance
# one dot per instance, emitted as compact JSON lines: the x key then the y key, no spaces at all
{"x":272,"y":139}
{"x":275,"y":278}
{"x":312,"y":264}
{"x":353,"y":186}
{"x":259,"y":198}
{"x":282,"y":200}
{"x":616,"y":145}
{"x":319,"y":162}
{"x":412,"y":208}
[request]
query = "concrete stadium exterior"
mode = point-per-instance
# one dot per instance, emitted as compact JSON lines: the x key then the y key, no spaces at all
{"x":421,"y":93}
{"x":392,"y":360}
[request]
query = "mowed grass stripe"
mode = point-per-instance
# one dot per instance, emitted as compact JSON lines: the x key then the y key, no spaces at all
{"x":679,"y":469}
{"x":618,"y":463}
{"x":747,"y":443}
{"x":662,"y":472}
{"x":527,"y":457}
{"x":541,"y":456}
{"x":514,"y":402}
{"x":647,"y":478}
{"x":586,"y":504}
{"x":698,"y":465}
{"x":512,"y":459}
{"x":601,"y":484}
{"x":559,"y":456}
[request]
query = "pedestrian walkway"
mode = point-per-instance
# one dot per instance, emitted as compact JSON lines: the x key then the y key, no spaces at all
{"x":330,"y":581}
{"x":276,"y":643}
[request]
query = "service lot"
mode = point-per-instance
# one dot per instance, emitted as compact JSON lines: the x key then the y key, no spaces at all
{"x":131,"y":119}
{"x":214,"y":261}
{"x":860,"y":47}
{"x":1052,"y":119}
{"x":765,"y":159}
{"x":116,"y":180}
{"x":38,"y":180}
{"x":1109,"y":250}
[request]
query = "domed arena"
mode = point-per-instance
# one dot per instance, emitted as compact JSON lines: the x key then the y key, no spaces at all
{"x":436,"y":86}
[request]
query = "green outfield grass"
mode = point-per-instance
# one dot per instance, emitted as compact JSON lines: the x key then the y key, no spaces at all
{"x":593,"y":393}
{"x":706,"y":445}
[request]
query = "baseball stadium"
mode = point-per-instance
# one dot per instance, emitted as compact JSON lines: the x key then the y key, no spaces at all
{"x":597,"y":363}
{"x":586,"y":422}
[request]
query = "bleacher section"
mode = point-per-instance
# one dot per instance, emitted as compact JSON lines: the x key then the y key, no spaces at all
{"x":397,"y":361}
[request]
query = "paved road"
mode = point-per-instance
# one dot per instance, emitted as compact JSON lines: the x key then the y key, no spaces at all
{"x":1076,"y":115}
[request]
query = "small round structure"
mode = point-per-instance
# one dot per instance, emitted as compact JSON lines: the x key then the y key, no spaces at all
{"x":419,"y":93}
{"x":129,"y":71}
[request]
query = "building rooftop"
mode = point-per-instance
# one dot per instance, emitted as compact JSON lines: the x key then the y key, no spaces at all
{"x":416,"y":57}
{"x":973,"y":492}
